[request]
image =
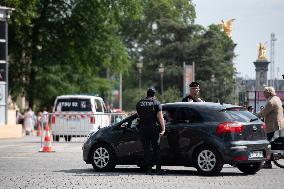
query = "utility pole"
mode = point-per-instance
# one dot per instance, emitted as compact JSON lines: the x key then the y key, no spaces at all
{"x":272,"y":59}
{"x":120,"y":90}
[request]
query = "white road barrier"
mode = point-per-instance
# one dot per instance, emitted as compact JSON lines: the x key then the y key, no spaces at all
{"x":76,"y":126}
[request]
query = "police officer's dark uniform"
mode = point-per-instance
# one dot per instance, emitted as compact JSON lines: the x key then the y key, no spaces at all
{"x":147,"y":109}
{"x":190,"y":98}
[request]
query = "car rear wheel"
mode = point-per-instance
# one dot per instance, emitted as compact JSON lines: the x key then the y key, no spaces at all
{"x":249,"y":168}
{"x":208,"y":161}
{"x":103,"y":158}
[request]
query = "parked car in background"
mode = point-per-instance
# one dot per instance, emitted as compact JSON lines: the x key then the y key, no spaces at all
{"x":202,"y":135}
{"x":77,"y":115}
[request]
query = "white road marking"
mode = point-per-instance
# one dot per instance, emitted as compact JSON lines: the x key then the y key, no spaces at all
{"x":13,"y":157}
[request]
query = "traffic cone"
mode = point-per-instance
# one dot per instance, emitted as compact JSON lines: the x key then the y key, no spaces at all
{"x":47,"y":141}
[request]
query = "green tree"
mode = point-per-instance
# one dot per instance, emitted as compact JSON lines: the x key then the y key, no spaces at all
{"x":211,"y":50}
{"x":131,"y":97}
{"x":148,"y":35}
{"x":167,"y":34}
{"x":76,"y":46}
{"x":215,"y":57}
{"x":172,"y":94}
{"x":66,"y":46}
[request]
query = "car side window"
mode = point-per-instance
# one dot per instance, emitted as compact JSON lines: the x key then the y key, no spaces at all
{"x":130,"y":123}
{"x":187,"y":115}
{"x":134,"y":123}
{"x":169,"y":115}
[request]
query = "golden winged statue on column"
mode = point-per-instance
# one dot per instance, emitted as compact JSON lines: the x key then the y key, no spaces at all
{"x":228,"y":26}
{"x":261,"y":51}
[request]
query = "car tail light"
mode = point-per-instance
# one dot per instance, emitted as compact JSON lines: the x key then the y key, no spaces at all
{"x":53,"y":119}
{"x":263,"y":126}
{"x":229,"y":127}
{"x":92,"y":120}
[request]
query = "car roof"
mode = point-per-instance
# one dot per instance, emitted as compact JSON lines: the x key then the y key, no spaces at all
{"x":210,"y":105}
{"x":78,"y":96}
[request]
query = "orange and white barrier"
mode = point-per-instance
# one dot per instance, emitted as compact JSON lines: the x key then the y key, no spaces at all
{"x":47,"y":141}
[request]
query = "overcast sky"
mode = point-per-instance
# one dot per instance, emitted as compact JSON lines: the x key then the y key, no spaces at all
{"x":255,"y":21}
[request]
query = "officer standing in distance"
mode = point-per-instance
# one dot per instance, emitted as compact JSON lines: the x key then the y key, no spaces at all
{"x":193,"y":93}
{"x":149,"y":111}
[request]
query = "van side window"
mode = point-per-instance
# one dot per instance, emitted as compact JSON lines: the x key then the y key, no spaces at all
{"x":99,"y":107}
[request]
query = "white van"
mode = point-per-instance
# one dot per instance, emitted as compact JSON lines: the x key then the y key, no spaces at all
{"x":77,"y":115}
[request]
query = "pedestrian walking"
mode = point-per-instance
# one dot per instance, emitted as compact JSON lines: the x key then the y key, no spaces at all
{"x":193,"y":93}
{"x":150,"y":113}
{"x":38,"y":123}
{"x":45,"y":117}
{"x":29,"y":121}
{"x":273,"y":116}
{"x":19,"y":117}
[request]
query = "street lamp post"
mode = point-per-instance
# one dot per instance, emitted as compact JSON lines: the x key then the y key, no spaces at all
{"x":161,"y":70}
{"x":234,"y":90}
{"x":139,"y":66}
{"x":212,"y":80}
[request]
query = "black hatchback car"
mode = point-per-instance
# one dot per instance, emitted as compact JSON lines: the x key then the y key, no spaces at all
{"x":202,"y":135}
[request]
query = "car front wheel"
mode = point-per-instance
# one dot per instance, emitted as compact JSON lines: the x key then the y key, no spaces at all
{"x":208,"y":161}
{"x":103,"y":158}
{"x":249,"y":168}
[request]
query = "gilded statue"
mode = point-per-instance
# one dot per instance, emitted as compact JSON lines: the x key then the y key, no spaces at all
{"x":228,"y":27}
{"x":261,"y":52}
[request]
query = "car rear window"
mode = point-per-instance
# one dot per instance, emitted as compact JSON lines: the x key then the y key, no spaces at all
{"x":213,"y":115}
{"x":241,"y":115}
{"x":73,"y":105}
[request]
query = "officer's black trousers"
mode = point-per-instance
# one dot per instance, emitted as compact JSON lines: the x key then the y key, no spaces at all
{"x":153,"y":139}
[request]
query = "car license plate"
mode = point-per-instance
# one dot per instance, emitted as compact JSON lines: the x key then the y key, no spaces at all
{"x":256,"y":154}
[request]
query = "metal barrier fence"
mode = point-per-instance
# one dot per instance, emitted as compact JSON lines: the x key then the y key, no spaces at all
{"x":75,"y":127}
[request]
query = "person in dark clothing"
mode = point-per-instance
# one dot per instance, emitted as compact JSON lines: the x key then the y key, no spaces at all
{"x":250,"y":109}
{"x":193,"y":93}
{"x":149,"y":111}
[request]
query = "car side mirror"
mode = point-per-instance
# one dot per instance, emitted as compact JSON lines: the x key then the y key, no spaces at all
{"x":123,"y":125}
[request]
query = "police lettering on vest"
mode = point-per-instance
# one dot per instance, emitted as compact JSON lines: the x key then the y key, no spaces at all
{"x":147,"y":110}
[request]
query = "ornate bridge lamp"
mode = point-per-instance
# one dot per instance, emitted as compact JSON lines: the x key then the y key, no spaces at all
{"x":161,"y":70}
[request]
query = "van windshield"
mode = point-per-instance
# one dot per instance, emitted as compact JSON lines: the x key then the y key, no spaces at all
{"x":73,"y":105}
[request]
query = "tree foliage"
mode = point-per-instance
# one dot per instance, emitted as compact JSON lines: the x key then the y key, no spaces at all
{"x":66,"y":46}
{"x":76,"y":46}
{"x":215,"y":69}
